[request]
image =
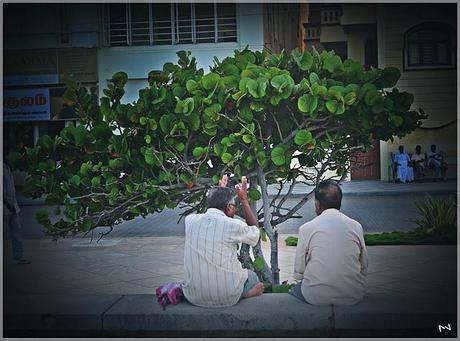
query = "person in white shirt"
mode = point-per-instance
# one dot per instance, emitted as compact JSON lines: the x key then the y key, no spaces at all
{"x":434,"y":159}
{"x":418,"y":159}
{"x":331,"y":256}
{"x":405,"y":173}
{"x":214,"y":277}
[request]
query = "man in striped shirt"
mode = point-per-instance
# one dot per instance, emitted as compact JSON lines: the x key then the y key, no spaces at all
{"x":213,"y":275}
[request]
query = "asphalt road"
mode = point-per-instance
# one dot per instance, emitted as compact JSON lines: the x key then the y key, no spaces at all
{"x":375,"y":213}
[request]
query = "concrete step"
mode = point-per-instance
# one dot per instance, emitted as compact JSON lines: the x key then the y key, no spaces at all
{"x":269,"y":315}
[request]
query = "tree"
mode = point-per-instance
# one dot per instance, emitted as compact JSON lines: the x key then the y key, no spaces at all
{"x":279,"y":119}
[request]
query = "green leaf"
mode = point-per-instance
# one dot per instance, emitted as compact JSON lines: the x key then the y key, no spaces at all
{"x":254,"y":194}
{"x":42,"y":217}
{"x":191,"y":86}
{"x":278,"y":156}
{"x":226,"y":158}
{"x":313,"y":78}
{"x":396,"y":120}
{"x":261,"y":158}
{"x":350,"y":98}
{"x":180,"y":147}
{"x":85,"y":168}
{"x":198,"y":152}
{"x":143,"y":120}
{"x":307,"y":103}
{"x":96,"y":181}
{"x":120,"y":79}
{"x":149,"y":157}
{"x":166,"y":122}
{"x":303,"y":137}
{"x":259,"y":263}
{"x":371,"y":97}
{"x":215,"y":179}
{"x":247,"y":139}
{"x":210,"y":80}
{"x":75,"y":180}
{"x":332,"y":63}
{"x":87,"y":224}
{"x":332,"y":106}
{"x":194,"y":121}
{"x":219,"y":149}
{"x":46,"y":143}
{"x":306,"y":62}
{"x":246,"y":114}
{"x":263,"y":234}
{"x":148,"y":139}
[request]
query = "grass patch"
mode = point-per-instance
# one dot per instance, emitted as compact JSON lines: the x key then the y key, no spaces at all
{"x":416,"y":237}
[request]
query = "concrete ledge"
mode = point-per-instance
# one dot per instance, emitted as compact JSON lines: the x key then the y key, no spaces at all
{"x":274,"y":315}
{"x":57,"y":312}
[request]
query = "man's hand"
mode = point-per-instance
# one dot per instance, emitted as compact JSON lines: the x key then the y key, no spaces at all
{"x":224,"y":181}
{"x":242,"y":190}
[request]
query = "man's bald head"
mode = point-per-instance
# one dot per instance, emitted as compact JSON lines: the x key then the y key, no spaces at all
{"x":328,"y":194}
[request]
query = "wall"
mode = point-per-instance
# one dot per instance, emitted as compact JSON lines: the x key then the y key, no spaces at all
{"x":45,"y":25}
{"x":138,"y":61}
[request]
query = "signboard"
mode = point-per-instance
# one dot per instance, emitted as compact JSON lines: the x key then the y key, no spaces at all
{"x":30,"y":67}
{"x":81,"y":63}
{"x":26,"y":105}
{"x":37,"y":67}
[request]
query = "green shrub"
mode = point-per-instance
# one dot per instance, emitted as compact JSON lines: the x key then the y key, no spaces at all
{"x":438,"y":217}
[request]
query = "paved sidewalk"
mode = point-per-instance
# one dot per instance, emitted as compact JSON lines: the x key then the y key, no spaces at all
{"x":139,"y":265}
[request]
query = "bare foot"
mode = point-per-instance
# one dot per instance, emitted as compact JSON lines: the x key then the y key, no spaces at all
{"x":256,"y":290}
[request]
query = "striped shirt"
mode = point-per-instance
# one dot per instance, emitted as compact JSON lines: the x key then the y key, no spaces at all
{"x":213,"y":275}
{"x":331,"y":259}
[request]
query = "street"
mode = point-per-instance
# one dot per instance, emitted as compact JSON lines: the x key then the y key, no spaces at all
{"x":375,"y":213}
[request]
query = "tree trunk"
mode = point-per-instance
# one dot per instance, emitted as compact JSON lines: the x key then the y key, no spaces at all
{"x":244,"y":256}
{"x":257,"y":250}
{"x":272,"y":235}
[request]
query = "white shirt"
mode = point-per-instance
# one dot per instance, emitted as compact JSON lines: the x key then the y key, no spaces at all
{"x":331,"y":259}
{"x":213,"y":275}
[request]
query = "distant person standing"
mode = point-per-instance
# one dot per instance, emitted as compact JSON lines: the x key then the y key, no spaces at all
{"x":11,"y":215}
{"x":433,"y":159}
{"x":331,"y":255}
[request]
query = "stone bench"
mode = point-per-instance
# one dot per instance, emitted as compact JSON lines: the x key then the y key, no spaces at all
{"x":269,"y":315}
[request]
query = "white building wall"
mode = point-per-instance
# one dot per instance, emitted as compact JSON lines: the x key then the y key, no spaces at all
{"x":138,"y":61}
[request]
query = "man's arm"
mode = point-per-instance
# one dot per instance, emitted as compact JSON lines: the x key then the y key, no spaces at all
{"x":300,"y":261}
{"x":242,"y":193}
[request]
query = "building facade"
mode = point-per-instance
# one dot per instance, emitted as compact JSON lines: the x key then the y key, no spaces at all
{"x":93,"y":41}
{"x":418,"y":39}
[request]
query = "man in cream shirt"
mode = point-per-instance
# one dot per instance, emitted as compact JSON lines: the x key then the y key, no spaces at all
{"x":213,"y":275}
{"x":331,"y":256}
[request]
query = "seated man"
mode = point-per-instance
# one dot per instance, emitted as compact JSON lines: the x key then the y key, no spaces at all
{"x":213,"y":275}
{"x":404,"y":173}
{"x":434,"y":159}
{"x":418,"y":160}
{"x":331,"y":256}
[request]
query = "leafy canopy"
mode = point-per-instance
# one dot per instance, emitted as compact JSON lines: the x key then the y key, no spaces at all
{"x":252,"y":110}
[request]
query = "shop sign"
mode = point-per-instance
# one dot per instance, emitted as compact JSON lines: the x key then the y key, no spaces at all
{"x":26,"y":105}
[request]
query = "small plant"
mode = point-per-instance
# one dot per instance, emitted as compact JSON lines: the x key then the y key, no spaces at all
{"x":291,"y":241}
{"x":438,"y":216}
{"x":278,"y":289}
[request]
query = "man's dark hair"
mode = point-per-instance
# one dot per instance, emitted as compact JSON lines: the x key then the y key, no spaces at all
{"x":219,"y":197}
{"x":329,"y":194}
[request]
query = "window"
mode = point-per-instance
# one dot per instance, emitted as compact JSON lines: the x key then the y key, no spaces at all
{"x":168,"y":24}
{"x":429,"y":45}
